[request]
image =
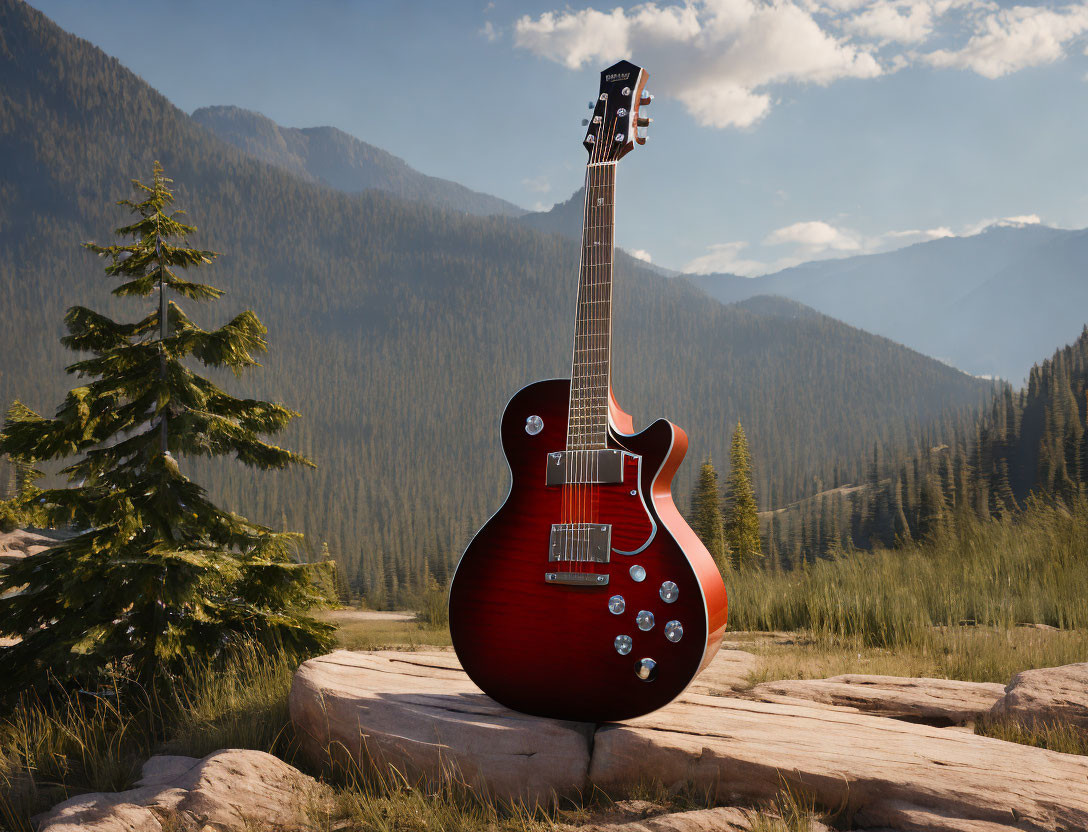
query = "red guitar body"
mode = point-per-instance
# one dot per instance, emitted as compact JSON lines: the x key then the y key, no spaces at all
{"x":549,"y":648}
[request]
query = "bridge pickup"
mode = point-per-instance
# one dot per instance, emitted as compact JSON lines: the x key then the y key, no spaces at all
{"x":597,"y":467}
{"x":586,"y":542}
{"x":576,"y":578}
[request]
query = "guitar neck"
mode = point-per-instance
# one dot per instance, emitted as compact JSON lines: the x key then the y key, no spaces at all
{"x":587,"y":426}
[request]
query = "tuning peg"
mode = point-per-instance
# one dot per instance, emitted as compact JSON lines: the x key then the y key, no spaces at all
{"x":642,"y":121}
{"x":646,"y":98}
{"x":640,"y":135}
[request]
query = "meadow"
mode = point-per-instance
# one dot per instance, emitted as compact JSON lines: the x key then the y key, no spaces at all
{"x":979,"y":602}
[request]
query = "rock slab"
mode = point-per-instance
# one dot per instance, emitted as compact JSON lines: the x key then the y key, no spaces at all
{"x":227,"y":790}
{"x":417,"y":711}
{"x":932,"y":701}
{"x":1049,"y":695}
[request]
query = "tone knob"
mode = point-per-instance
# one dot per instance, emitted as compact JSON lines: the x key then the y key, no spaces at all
{"x":616,"y":604}
{"x":638,"y":574}
{"x":669,"y":592}
{"x":674,"y":631}
{"x":623,"y":645}
{"x":646,"y":669}
{"x":645,"y":620}
{"x":534,"y":425}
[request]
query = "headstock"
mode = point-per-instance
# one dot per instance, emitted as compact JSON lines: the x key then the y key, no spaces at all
{"x":617,"y":123}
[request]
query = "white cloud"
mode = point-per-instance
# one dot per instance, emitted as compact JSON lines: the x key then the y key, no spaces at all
{"x":1018,"y":221}
{"x":1012,"y":39}
{"x":718,"y":57}
{"x":814,"y":237}
{"x":640,"y":254}
{"x":724,"y":257}
{"x":537,"y":184}
{"x":489,"y":31}
{"x":886,"y":20}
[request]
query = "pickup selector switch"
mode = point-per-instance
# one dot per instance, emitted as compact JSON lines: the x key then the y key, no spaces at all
{"x":669,"y":592}
{"x":646,"y":669}
{"x":534,"y":425}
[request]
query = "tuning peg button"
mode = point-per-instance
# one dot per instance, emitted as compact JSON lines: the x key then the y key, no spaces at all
{"x":646,"y":98}
{"x":643,"y":121}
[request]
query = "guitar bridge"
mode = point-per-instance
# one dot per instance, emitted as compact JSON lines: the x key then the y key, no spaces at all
{"x":576,"y":578}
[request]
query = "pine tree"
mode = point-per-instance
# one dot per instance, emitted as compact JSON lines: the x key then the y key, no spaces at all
{"x":706,"y":515}
{"x":741,"y":518}
{"x":159,"y":574}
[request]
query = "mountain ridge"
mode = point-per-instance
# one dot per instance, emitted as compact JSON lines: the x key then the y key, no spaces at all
{"x":335,"y":158}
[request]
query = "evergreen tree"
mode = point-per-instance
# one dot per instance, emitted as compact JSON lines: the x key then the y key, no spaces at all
{"x":158,"y":574}
{"x":706,"y":515}
{"x":742,"y":518}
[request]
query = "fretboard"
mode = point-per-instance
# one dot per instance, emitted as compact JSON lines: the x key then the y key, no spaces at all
{"x":588,"y":423}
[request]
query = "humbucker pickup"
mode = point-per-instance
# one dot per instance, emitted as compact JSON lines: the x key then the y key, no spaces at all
{"x":586,"y":542}
{"x":597,"y":467}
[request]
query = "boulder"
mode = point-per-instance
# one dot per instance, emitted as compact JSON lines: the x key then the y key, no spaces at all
{"x":881,"y":772}
{"x":227,"y":790}
{"x":728,"y":671}
{"x":933,"y":701}
{"x":1047,"y":695}
{"x":420,"y":713}
{"x":22,"y":542}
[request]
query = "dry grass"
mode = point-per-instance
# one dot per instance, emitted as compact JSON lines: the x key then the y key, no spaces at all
{"x":1068,"y":739}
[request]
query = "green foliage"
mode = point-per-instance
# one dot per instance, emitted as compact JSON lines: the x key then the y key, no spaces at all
{"x":741,"y":515}
{"x":157,"y":574}
{"x":1028,"y":569}
{"x":402,"y":330}
{"x":1025,"y":443}
{"x":706,"y":515}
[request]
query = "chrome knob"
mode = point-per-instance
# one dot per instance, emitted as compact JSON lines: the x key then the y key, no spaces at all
{"x":646,"y":669}
{"x":645,"y":620}
{"x":669,"y":592}
{"x":534,"y":425}
{"x":623,"y":645}
{"x":616,"y":604}
{"x":638,"y":574}
{"x":674,"y":631}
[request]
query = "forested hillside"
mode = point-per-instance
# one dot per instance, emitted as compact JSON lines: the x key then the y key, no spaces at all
{"x":990,"y":304}
{"x":337,"y":159}
{"x":398,"y":330}
{"x":1028,"y":441}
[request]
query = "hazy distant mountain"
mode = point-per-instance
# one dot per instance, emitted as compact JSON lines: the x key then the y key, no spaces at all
{"x":991,"y":304}
{"x":562,"y":218}
{"x":335,"y":158}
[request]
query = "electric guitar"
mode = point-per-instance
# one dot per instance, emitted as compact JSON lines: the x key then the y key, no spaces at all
{"x":586,"y":596}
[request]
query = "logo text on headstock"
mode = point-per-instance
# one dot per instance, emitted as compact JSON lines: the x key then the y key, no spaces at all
{"x":617,"y":76}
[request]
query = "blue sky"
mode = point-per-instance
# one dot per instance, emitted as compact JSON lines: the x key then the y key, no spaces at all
{"x":783,"y":131}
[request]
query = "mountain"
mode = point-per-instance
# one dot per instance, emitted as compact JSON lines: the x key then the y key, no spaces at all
{"x":337,"y":159}
{"x":399,"y":329}
{"x":990,"y":304}
{"x":562,"y":218}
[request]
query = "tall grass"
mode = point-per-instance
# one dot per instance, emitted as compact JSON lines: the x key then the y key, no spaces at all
{"x":81,"y":742}
{"x":1031,"y":569}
